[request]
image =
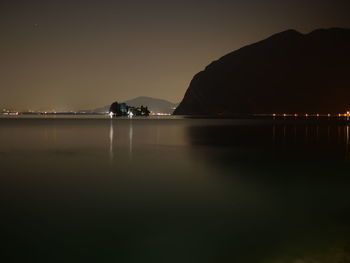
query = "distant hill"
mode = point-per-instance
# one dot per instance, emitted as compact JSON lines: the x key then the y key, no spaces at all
{"x":288,"y":72}
{"x":153,"y":104}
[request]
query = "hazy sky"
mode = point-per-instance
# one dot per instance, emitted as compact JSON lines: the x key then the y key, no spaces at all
{"x":69,"y":55}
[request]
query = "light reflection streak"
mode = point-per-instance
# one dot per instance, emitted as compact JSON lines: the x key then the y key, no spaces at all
{"x":111,"y":136}
{"x":347,"y":142}
{"x":130,"y":139}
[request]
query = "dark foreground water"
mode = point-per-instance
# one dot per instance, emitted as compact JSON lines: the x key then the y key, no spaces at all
{"x":174,"y":190}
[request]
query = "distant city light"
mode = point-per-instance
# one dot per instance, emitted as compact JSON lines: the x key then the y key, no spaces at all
{"x":160,"y":114}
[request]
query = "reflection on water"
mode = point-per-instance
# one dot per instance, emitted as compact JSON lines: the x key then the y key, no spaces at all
{"x":111,"y":135}
{"x":112,"y":140}
{"x":347,"y":142}
{"x":175,"y":190}
{"x":130,"y":139}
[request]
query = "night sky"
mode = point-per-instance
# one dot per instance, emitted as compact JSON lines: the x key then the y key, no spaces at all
{"x":70,"y":55}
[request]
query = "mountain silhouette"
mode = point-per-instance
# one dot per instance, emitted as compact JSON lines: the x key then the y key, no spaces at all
{"x":288,"y":72}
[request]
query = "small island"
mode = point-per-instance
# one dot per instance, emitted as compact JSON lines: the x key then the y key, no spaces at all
{"x":122,"y":109}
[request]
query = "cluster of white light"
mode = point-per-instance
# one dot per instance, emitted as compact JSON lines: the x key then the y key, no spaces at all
{"x":10,"y":113}
{"x":347,"y":114}
{"x":160,"y":114}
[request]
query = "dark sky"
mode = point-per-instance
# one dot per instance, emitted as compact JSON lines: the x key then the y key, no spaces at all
{"x":69,"y":55}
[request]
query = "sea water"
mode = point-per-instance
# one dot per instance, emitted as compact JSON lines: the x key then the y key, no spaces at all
{"x":96,"y":189}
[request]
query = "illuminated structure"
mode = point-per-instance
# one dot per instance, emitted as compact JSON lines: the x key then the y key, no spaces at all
{"x":121,"y":109}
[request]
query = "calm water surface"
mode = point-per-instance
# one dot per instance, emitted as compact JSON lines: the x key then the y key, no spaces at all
{"x":95,"y":189}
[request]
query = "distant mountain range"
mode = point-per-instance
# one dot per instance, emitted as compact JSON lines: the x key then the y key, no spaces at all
{"x":288,"y":72}
{"x":153,"y":104}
